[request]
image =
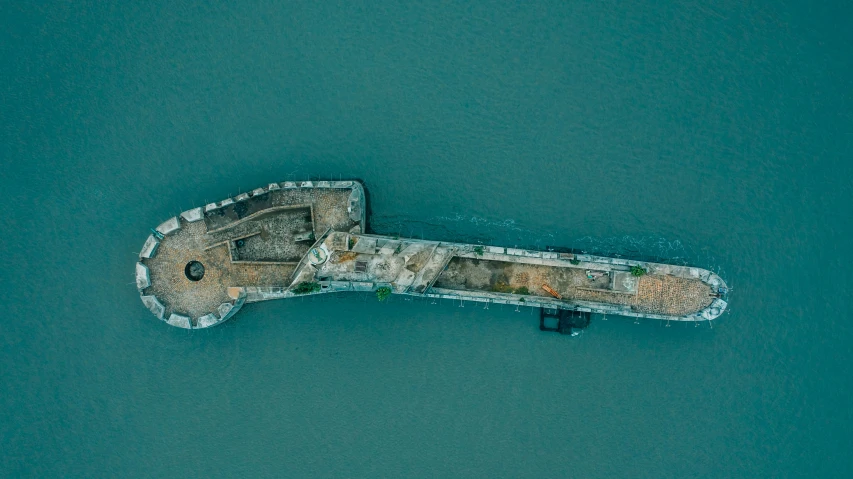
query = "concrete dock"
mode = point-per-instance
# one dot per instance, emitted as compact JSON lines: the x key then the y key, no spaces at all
{"x":294,"y":238}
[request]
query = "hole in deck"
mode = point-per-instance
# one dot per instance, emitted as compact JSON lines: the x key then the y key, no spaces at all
{"x":194,"y":271}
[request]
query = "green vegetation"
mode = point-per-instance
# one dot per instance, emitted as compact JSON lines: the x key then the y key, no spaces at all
{"x":521,"y":300}
{"x":522,"y":290}
{"x":383,"y":293}
{"x":575,"y":261}
{"x":478,"y":250}
{"x":638,"y":270}
{"x":306,"y":287}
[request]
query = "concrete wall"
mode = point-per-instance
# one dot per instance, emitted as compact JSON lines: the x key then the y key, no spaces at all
{"x":349,"y":184}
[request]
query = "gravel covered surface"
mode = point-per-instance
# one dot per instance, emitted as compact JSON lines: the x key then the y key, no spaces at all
{"x":660,"y":294}
{"x":197,"y":298}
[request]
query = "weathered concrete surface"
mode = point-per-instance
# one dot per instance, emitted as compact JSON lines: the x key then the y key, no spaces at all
{"x":265,"y":258}
{"x":356,"y":206}
{"x":154,"y":305}
{"x":169,"y":226}
{"x":441,"y":256}
{"x":625,"y":282}
{"x":512,"y":275}
{"x":269,"y":238}
{"x":364,"y":245}
{"x":197,"y":298}
{"x":149,"y":249}
{"x":143,"y":276}
{"x":224,"y":309}
{"x":249,"y":246}
{"x":207,"y":320}
{"x":180,"y":321}
{"x":192,"y":215}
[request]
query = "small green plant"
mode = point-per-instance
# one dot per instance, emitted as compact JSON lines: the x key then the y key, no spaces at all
{"x":383,"y":293}
{"x":306,"y":287}
{"x":638,"y":270}
{"x":575,"y":261}
{"x":521,"y":300}
{"x":522,"y":290}
{"x":478,"y":250}
{"x":502,"y":287}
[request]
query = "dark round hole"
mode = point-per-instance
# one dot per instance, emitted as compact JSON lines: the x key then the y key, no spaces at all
{"x":194,"y":271}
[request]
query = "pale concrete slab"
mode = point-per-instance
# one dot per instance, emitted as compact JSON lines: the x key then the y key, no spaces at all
{"x":143,"y":277}
{"x":389,"y":248}
{"x":365,"y":245}
{"x":149,"y":249}
{"x":169,"y":226}
{"x":404,"y":279}
{"x":180,"y":321}
{"x":624,"y":282}
{"x":192,"y":215}
{"x":207,"y":321}
{"x":224,"y":309}
{"x":154,"y":305}
{"x":362,"y":286}
{"x":340,"y":285}
{"x":355,"y":206}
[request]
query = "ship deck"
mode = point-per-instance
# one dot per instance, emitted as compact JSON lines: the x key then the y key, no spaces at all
{"x":256,"y":242}
{"x":260,"y":245}
{"x":655,"y":293}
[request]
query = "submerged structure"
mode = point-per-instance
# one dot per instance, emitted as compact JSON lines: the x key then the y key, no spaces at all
{"x":300,"y":238}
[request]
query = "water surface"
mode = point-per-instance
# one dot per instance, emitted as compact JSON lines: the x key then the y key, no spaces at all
{"x":715,"y":135}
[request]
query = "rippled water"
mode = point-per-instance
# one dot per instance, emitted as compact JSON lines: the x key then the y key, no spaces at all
{"x":715,"y":135}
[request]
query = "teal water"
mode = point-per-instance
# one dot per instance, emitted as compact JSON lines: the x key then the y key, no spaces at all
{"x":715,"y":134}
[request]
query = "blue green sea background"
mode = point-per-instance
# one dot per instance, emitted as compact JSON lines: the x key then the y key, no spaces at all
{"x":717,"y":134}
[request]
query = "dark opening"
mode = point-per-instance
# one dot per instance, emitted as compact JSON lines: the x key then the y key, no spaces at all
{"x":194,"y":271}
